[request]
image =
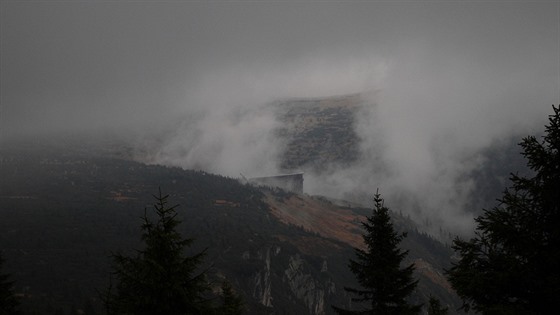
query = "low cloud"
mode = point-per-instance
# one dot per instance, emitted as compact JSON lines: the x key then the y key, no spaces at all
{"x":422,"y":131}
{"x":191,"y":83}
{"x":231,"y":128}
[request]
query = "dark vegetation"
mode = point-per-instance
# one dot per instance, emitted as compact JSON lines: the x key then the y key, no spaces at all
{"x":435,"y":308}
{"x":63,"y":217}
{"x":65,"y":212}
{"x":160,"y":279}
{"x":8,"y":302}
{"x":512,"y":265}
{"x":385,"y":286}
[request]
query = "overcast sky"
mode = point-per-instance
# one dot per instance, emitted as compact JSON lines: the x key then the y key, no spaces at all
{"x":451,"y":78}
{"x":102,"y":64}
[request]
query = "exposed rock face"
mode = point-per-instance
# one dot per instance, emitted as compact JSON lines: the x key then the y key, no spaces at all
{"x":263,"y":288}
{"x":304,"y":286}
{"x":297,"y":280}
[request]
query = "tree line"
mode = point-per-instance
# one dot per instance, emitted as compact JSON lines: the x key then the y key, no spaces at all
{"x":510,"y":266}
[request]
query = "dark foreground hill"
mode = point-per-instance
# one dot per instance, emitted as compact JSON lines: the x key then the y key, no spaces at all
{"x":63,"y":214}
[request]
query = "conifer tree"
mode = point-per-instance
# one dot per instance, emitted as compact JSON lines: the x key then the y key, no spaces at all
{"x":435,"y":308}
{"x":160,"y":279}
{"x":8,"y":302}
{"x":385,"y":286}
{"x":232,"y":304}
{"x":512,"y":264}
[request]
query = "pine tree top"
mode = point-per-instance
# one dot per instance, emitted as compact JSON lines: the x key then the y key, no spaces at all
{"x":160,"y":279}
{"x":385,"y":285}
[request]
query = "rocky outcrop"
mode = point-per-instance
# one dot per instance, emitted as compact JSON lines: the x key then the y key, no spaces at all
{"x":305,"y":287}
{"x":296,"y":279}
{"x":262,"y":281}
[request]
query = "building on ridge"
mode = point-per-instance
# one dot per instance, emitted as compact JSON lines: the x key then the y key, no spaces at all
{"x":289,"y":182}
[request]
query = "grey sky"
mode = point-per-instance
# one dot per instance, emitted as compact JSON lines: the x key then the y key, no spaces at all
{"x":91,"y":64}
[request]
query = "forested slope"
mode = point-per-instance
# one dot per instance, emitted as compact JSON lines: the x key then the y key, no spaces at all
{"x":63,"y":214}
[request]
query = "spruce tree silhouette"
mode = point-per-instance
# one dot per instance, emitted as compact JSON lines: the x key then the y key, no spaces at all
{"x":512,"y":264}
{"x":8,"y":302}
{"x":160,"y":279}
{"x":385,"y":285}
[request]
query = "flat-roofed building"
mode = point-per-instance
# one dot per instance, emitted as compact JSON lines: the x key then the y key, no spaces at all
{"x":290,"y":182}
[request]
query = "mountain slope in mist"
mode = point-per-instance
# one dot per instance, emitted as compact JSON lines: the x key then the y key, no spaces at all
{"x":285,"y":254}
{"x":318,"y":131}
{"x":337,"y":142}
{"x":347,"y":146}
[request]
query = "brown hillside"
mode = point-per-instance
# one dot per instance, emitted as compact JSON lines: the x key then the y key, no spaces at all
{"x":318,"y":216}
{"x":342,"y":224}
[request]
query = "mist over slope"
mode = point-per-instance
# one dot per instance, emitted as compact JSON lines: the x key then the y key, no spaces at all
{"x":347,"y":149}
{"x":191,"y":82}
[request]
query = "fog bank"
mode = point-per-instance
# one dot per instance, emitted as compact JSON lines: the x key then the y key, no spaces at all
{"x":190,"y":83}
